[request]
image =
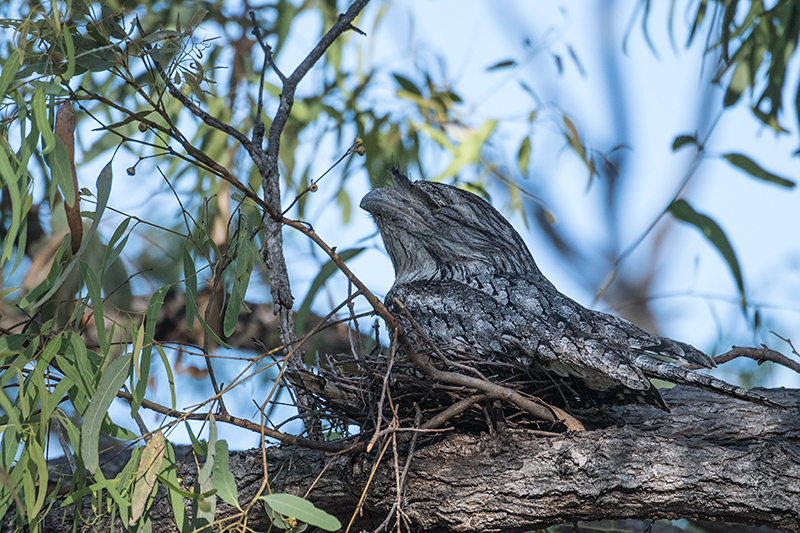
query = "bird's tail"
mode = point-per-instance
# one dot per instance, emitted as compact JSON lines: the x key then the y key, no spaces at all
{"x":656,"y":368}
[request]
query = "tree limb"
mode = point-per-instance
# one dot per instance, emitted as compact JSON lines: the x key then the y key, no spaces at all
{"x":712,"y":458}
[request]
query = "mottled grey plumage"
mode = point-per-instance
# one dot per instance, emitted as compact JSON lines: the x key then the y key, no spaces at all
{"x":470,"y":283}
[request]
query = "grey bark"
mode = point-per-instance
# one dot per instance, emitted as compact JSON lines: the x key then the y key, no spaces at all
{"x":712,"y":458}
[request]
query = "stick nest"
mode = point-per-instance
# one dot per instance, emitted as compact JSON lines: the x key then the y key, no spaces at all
{"x":347,"y":391}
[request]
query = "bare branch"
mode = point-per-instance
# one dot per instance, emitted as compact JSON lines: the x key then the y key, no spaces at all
{"x":759,"y":354}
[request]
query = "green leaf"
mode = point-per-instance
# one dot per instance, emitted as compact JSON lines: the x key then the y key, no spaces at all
{"x":748,"y":165}
{"x":213,"y":334}
{"x":245,"y":259}
{"x":112,"y":251}
{"x":39,"y":108}
{"x":302,"y":509}
{"x":502,"y":64}
{"x":199,"y":447}
{"x":93,"y":286}
{"x":524,"y":155}
{"x":153,"y":310}
{"x":10,"y":69}
{"x":70,"y":52}
{"x":11,"y":344}
{"x":170,"y":377}
{"x":681,"y":210}
{"x":169,"y":478}
{"x":206,"y":502}
{"x":221,"y":477}
{"x":327,"y":270}
{"x":9,"y":178}
{"x":190,"y":280}
{"x":110,"y":383}
{"x":407,"y":84}
{"x":469,"y":151}
{"x":740,"y":81}
{"x":682,"y":140}
{"x":344,"y":201}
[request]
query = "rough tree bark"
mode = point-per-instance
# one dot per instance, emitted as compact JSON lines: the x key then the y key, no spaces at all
{"x":711,"y":458}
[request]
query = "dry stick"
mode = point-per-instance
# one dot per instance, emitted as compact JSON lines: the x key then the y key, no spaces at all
{"x":379,"y":414}
{"x":759,"y":354}
{"x":453,"y":411}
{"x":541,"y":411}
{"x":366,"y":487}
{"x":326,"y":446}
{"x":397,"y":504}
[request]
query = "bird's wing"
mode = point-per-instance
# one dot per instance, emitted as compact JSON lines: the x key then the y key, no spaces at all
{"x":509,"y":317}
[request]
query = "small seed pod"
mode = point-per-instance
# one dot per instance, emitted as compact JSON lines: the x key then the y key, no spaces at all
{"x":313,"y":187}
{"x":361,"y":150}
{"x":142,"y":127}
{"x":131,"y":171}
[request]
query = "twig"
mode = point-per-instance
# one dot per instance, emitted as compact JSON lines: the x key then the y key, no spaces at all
{"x":286,"y":438}
{"x":366,"y":486}
{"x":187,"y":102}
{"x":267,"y":50}
{"x":453,"y":411}
{"x":759,"y":354}
{"x":402,"y":481}
{"x":384,"y":389}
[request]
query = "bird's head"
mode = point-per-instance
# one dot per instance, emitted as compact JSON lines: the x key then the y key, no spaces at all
{"x":434,"y":231}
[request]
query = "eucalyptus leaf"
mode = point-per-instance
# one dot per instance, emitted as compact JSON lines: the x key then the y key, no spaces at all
{"x":302,"y":509}
{"x":681,"y":210}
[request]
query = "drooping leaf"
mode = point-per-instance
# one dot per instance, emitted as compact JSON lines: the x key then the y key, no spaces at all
{"x":93,"y":286}
{"x":110,"y":383}
{"x":470,"y":149}
{"x":683,"y":140}
{"x":169,"y":477}
{"x":681,"y":210}
{"x":206,"y":501}
{"x":221,"y":477}
{"x":190,"y":281}
{"x":748,"y":165}
{"x":104,"y":181}
{"x":10,"y":69}
{"x":153,"y":310}
{"x":524,"y":155}
{"x":149,"y":466}
{"x":39,"y":110}
{"x":243,"y":267}
{"x":9,"y":179}
{"x":407,"y":84}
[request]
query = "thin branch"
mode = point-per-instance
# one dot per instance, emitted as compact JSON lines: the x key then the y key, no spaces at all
{"x":285,"y":438}
{"x":759,"y":354}
{"x":187,"y":102}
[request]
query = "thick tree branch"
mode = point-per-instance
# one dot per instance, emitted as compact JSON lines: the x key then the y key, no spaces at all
{"x":712,"y":458}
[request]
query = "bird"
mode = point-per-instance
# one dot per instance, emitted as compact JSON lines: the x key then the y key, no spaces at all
{"x":470,"y":285}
